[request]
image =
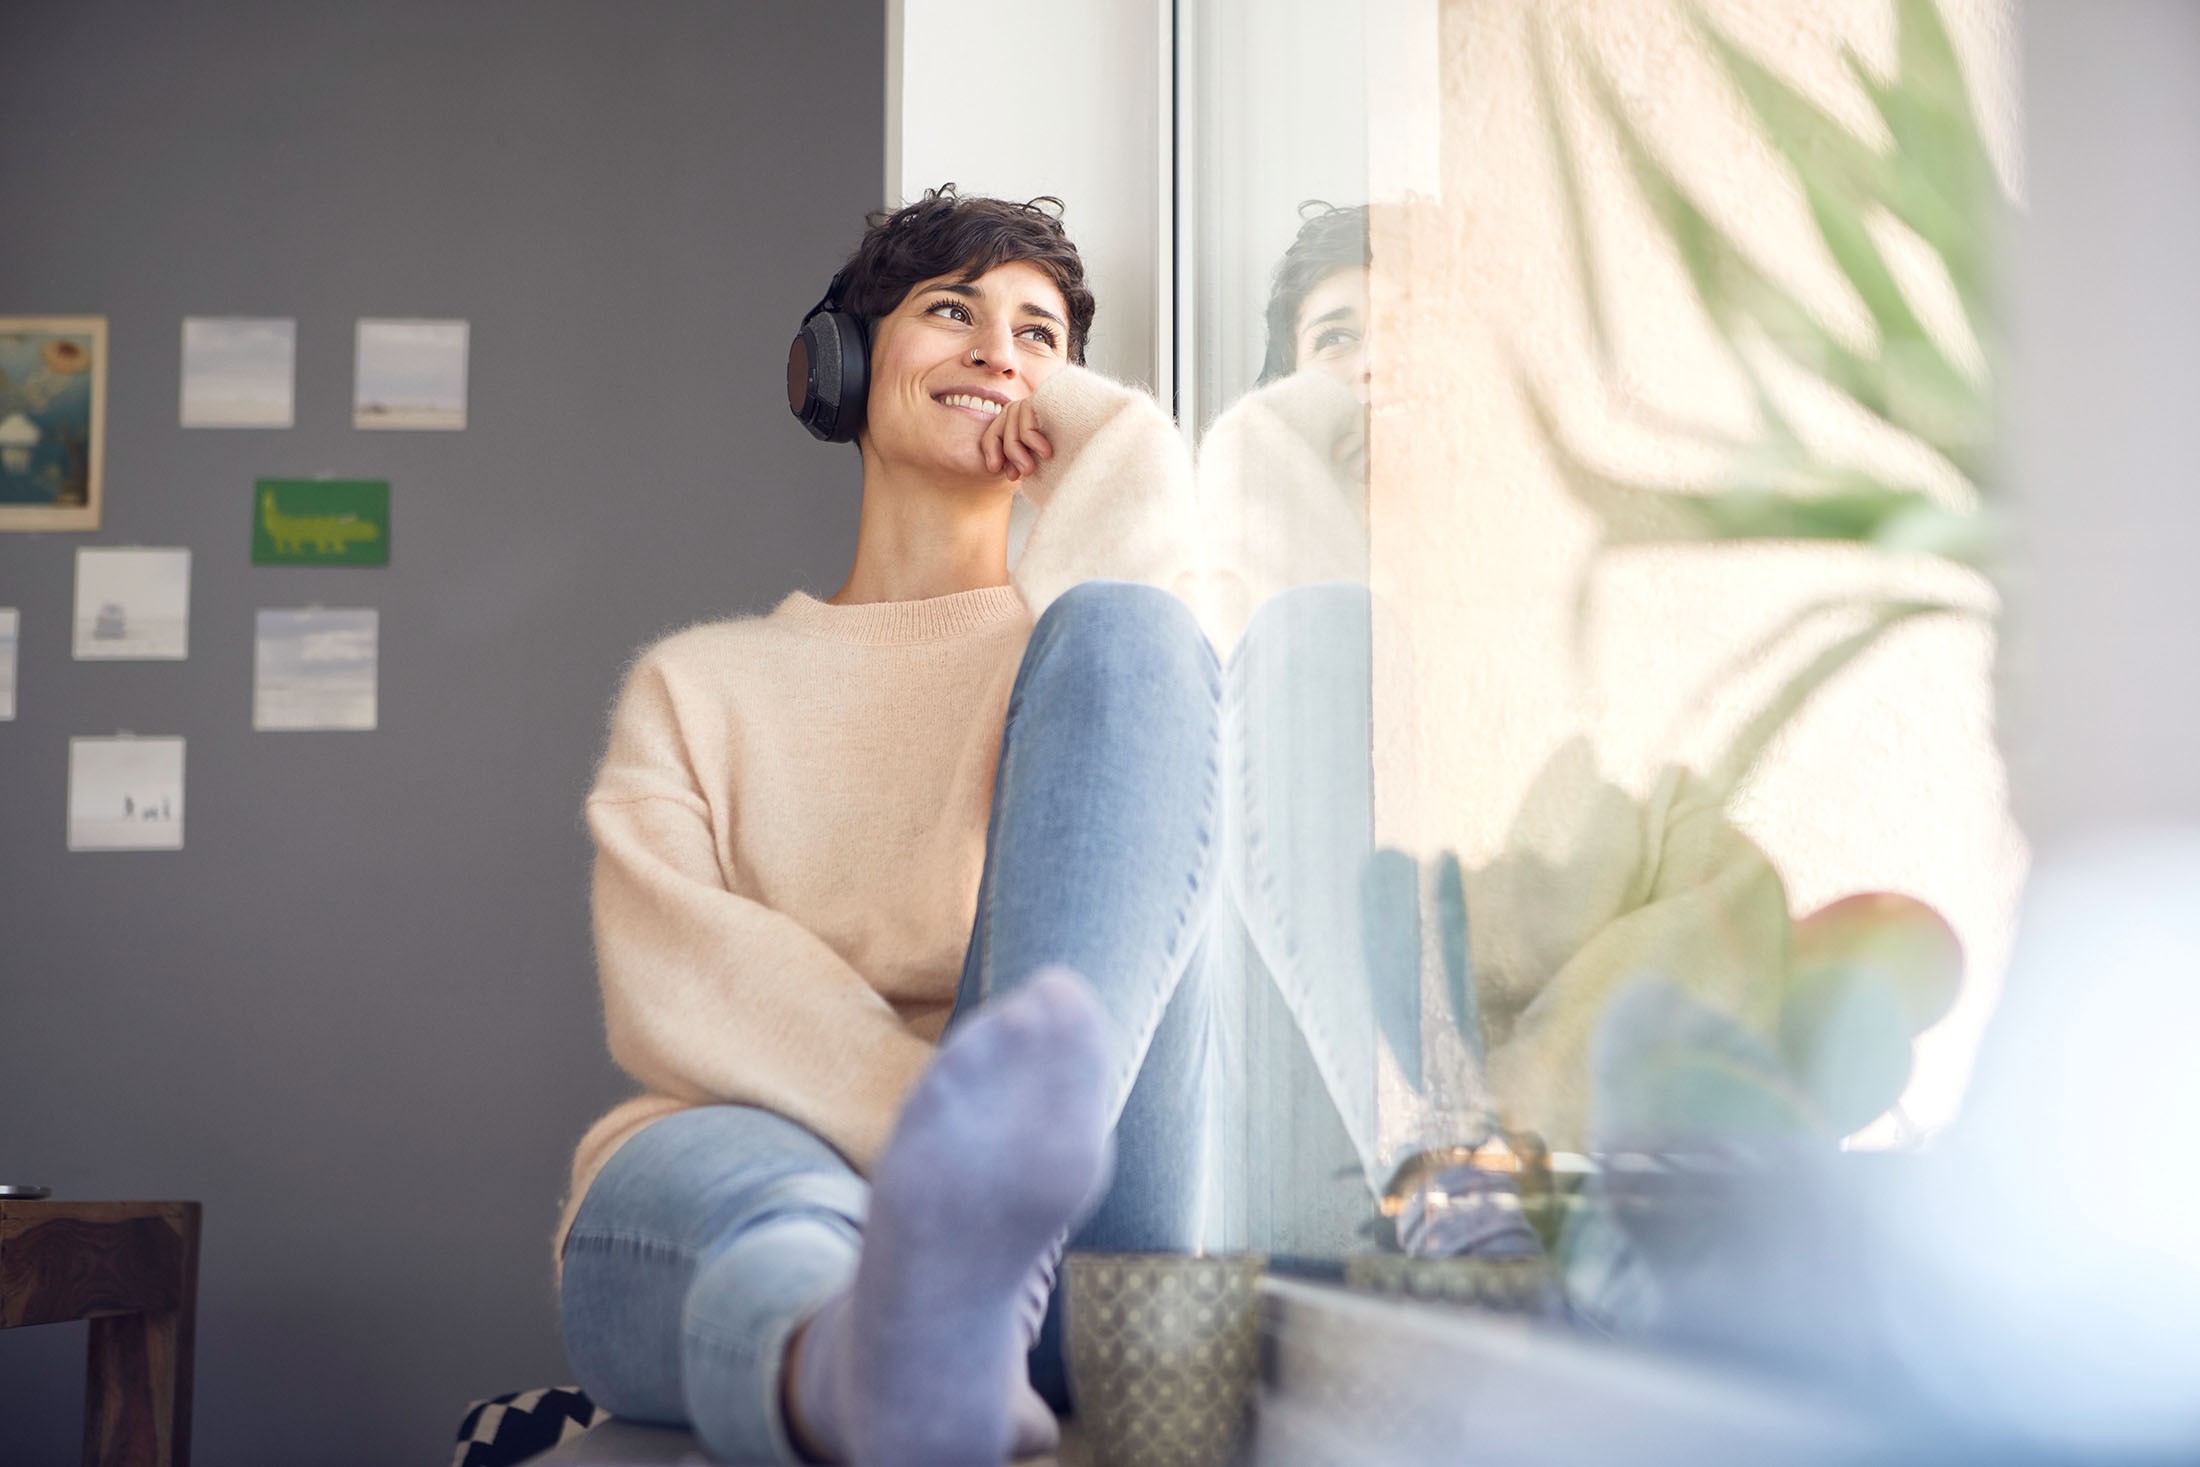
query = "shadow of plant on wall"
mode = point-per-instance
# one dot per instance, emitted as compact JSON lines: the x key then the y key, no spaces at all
{"x":1936,"y":184}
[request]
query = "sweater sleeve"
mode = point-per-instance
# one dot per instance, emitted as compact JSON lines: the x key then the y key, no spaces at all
{"x":1115,"y":501}
{"x":708,"y":994}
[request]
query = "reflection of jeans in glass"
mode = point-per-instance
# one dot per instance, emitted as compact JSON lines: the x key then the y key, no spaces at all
{"x":711,"y":1234}
{"x":1320,"y":951}
{"x":1298,"y":723}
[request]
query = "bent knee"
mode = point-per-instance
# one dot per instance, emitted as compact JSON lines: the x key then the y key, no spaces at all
{"x":1122,"y":625}
{"x":1319,"y":608}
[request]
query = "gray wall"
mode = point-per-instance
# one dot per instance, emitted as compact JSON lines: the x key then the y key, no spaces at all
{"x":356,"y":1015}
{"x":2102,"y":713}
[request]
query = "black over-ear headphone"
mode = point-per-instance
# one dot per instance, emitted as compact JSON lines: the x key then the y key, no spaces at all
{"x":829,"y":370}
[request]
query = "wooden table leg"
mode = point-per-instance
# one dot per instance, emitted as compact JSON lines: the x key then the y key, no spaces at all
{"x":132,"y":1269}
{"x":137,"y":1387}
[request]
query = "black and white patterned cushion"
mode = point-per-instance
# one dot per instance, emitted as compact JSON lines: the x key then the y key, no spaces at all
{"x":505,"y":1430}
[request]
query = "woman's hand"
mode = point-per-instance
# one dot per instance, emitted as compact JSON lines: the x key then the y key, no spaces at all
{"x":1013,"y":442}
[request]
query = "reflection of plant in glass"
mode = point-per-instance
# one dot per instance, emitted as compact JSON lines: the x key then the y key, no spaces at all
{"x":1670,"y":1002}
{"x":1935,"y":184}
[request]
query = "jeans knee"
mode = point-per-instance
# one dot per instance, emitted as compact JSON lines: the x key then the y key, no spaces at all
{"x":1116,"y":630}
{"x":1332,"y":609}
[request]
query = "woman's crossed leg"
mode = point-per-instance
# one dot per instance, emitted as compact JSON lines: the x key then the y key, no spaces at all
{"x":729,"y":1270}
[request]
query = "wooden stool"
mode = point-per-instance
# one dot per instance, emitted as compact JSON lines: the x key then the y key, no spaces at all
{"x":132,"y":1269}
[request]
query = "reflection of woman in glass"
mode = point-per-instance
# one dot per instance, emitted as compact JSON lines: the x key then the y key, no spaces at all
{"x":830,"y":835}
{"x":1334,"y":930}
{"x":1283,"y":508}
{"x":1283,"y":471}
{"x":1317,"y":306}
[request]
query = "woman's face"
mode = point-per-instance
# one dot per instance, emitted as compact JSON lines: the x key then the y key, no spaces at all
{"x":948,"y":354}
{"x":1331,"y":334}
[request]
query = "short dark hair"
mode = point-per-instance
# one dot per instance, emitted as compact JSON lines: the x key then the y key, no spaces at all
{"x":1329,"y":239}
{"x":945,"y":234}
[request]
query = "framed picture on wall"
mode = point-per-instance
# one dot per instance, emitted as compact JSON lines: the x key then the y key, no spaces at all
{"x":53,"y":421}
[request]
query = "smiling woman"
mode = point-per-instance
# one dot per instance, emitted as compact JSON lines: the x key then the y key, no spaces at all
{"x":829,"y":835}
{"x":968,"y":308}
{"x":979,"y":349}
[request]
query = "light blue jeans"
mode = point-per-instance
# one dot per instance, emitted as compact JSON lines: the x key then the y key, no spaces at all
{"x":712,"y":1234}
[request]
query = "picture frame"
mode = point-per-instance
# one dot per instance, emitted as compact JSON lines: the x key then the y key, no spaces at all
{"x":53,"y":421}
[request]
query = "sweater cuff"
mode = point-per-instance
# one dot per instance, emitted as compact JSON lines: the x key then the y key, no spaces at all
{"x":1073,"y":406}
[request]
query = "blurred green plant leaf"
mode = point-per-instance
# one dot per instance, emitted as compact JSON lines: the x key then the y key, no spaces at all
{"x":1802,"y":619}
{"x":1757,"y":734}
{"x":1845,"y":1037}
{"x":1950,"y":189}
{"x":1844,"y":182}
{"x":1675,"y":1075}
{"x":1936,"y":179}
{"x":1894,"y":385}
{"x":1815,"y":502}
{"x":1570,"y":193}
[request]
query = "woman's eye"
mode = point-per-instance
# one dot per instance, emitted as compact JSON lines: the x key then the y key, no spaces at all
{"x":962,"y":313}
{"x":1334,"y":337}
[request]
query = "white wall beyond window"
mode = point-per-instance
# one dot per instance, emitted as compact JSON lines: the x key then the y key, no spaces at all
{"x":1049,"y":97}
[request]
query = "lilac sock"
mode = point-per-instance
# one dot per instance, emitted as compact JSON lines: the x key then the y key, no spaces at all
{"x":1001,"y":1147}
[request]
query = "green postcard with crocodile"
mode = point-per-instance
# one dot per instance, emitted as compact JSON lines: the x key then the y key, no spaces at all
{"x":321,"y":522}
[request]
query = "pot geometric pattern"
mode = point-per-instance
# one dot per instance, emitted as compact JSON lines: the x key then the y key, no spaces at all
{"x":1163,"y":1350}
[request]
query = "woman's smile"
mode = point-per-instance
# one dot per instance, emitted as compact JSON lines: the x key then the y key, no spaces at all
{"x":985,"y":410}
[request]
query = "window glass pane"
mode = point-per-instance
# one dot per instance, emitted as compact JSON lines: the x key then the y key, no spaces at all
{"x":1601,"y":486}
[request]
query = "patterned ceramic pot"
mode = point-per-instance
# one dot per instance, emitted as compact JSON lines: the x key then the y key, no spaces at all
{"x":1163,"y":1349}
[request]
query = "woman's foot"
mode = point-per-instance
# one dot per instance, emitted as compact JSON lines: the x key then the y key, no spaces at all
{"x":1002,"y":1145}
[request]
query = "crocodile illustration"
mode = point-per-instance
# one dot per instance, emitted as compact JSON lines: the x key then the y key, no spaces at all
{"x":329,"y":533}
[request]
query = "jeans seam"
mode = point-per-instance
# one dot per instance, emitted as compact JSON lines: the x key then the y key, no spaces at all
{"x":1173,"y":956}
{"x":639,"y":1242}
{"x":1258,"y":886}
{"x":1211,"y":679}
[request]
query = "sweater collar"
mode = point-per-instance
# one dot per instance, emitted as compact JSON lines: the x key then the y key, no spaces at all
{"x":889,"y":623}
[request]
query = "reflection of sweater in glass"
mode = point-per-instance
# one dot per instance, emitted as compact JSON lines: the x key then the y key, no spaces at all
{"x":790,"y":812}
{"x":1279,"y":506}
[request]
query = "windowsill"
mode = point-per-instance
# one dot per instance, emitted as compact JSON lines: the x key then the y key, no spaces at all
{"x":1350,"y":1378}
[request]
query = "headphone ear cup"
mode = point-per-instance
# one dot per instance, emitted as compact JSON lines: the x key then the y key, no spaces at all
{"x":828,"y":376}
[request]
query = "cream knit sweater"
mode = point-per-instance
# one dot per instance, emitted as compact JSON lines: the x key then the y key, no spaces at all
{"x":790,"y":812}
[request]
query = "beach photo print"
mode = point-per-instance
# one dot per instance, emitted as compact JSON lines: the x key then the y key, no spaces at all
{"x":132,"y":604}
{"x":239,"y":371}
{"x":315,"y":669}
{"x":411,"y":374}
{"x":53,"y":417}
{"x":126,"y":794}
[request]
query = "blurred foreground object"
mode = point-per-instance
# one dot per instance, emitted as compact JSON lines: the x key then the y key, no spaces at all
{"x":2050,"y":1259}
